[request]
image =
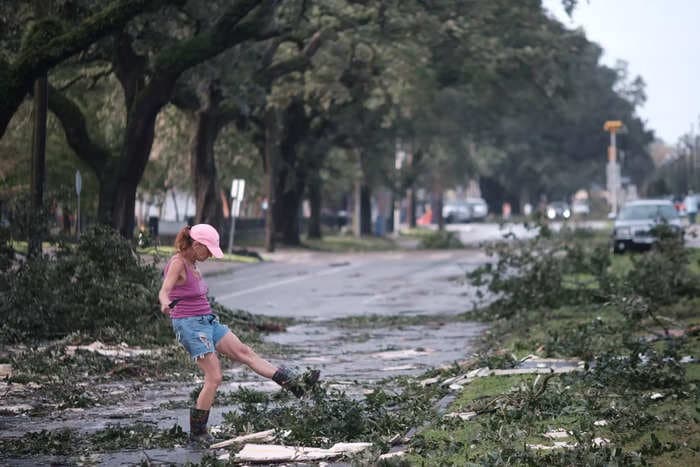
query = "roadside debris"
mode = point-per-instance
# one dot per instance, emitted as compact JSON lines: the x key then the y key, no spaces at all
{"x":392,"y":455}
{"x":279,"y":453}
{"x":466,"y":416}
{"x":598,"y":442}
{"x":15,"y":409}
{"x":673,"y":333}
{"x":557,"y":434}
{"x":528,"y":365}
{"x":122,"y":350}
{"x":430,"y":381}
{"x":260,"y":436}
{"x":402,"y":354}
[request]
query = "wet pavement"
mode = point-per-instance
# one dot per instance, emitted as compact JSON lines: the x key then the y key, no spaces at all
{"x":317,"y":288}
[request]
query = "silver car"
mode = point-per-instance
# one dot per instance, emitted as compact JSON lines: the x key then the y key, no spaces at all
{"x":456,"y":211}
{"x":471,"y":209}
{"x":636,"y":220}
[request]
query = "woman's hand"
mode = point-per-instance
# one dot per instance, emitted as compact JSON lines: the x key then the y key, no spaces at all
{"x":165,"y":309}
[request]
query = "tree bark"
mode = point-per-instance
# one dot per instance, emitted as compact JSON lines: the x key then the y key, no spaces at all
{"x":177,"y":210}
{"x":410,"y":192}
{"x":315,"y":190}
{"x":436,"y":205}
{"x":209,"y":208}
{"x":288,"y":209}
{"x":411,"y":207}
{"x":357,"y":209}
{"x":291,"y":174}
{"x":271,"y":163}
{"x":38,"y":178}
{"x":365,"y":210}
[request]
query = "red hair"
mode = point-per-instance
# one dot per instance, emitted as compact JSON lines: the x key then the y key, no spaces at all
{"x":183,"y":240}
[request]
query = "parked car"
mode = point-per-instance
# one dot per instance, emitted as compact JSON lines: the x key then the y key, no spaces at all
{"x":478,"y":208}
{"x":456,"y":211}
{"x":580,"y":207}
{"x":633,"y":228}
{"x":471,"y":209}
{"x":558,"y":210}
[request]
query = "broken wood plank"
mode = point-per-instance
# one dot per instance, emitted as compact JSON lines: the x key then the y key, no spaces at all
{"x":279,"y":453}
{"x":261,"y":436}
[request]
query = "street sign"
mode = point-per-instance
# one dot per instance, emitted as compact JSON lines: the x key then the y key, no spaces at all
{"x":237,"y":189}
{"x":612,"y":125}
{"x":237,"y":192}
{"x":78,"y":182}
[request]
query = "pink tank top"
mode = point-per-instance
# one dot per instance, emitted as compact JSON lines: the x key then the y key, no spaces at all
{"x":192,"y":295}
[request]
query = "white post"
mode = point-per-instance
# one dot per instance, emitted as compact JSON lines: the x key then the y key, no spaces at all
{"x":78,"y":189}
{"x":233,"y":225}
{"x":237,"y":192}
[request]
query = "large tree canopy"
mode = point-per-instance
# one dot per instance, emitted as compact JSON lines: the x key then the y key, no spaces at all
{"x":497,"y":91}
{"x":49,"y":41}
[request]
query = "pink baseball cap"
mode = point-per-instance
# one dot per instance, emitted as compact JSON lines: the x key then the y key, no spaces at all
{"x":209,"y":237}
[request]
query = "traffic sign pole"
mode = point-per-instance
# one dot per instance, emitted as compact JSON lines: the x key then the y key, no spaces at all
{"x":237,"y":192}
{"x":78,"y":189}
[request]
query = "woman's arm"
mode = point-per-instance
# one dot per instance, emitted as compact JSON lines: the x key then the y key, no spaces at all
{"x":177,"y":267}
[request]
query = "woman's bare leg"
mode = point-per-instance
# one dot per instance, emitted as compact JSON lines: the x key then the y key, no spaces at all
{"x":233,"y":348}
{"x":211,"y":367}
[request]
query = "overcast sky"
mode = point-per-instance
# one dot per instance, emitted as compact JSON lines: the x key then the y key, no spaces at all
{"x":660,"y":39}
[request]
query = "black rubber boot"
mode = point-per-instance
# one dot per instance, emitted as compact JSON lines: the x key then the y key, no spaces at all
{"x":294,"y":382}
{"x":198,"y":427}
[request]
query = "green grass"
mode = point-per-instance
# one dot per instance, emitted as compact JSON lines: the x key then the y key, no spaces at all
{"x":168,"y":251}
{"x":347,"y":244}
{"x":662,"y":432}
{"x":387,"y":321}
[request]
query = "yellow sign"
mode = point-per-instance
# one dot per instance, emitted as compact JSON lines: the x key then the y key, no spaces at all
{"x":612,"y":125}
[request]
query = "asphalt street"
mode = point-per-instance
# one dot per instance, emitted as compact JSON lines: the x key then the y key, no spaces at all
{"x":323,"y":286}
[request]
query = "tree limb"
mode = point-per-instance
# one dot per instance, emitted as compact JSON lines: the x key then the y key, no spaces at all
{"x":75,"y":128}
{"x":16,"y":78}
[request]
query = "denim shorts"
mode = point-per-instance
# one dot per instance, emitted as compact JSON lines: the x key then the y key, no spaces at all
{"x":199,"y":334}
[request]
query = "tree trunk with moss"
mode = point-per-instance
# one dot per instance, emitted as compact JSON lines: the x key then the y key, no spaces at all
{"x":207,"y":125}
{"x":315,"y":188}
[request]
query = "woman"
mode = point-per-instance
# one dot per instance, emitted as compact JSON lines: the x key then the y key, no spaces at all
{"x":183,"y":297}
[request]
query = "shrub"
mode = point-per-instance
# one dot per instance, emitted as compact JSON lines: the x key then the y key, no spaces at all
{"x":441,"y":240}
{"x":96,"y":287}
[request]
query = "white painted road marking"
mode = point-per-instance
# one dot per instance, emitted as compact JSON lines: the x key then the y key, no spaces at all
{"x":328,"y":272}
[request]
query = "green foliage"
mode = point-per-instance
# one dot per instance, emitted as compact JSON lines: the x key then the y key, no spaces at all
{"x":96,"y":287}
{"x":663,"y":275}
{"x":330,"y":415}
{"x":441,"y":240}
{"x":73,"y":443}
{"x":608,"y":329}
{"x":546,"y":272}
{"x":39,"y":33}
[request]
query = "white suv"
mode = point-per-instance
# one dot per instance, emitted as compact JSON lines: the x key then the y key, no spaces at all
{"x":634,"y":224}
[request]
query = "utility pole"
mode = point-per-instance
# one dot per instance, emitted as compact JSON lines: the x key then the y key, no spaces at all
{"x":613,"y":168}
